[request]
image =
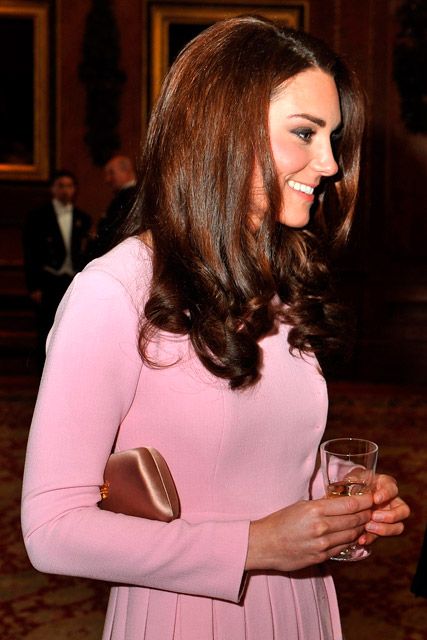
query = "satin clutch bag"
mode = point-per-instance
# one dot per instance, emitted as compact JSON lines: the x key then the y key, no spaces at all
{"x":138,"y":482}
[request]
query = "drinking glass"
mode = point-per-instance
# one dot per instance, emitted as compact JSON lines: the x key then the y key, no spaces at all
{"x":348,"y":467}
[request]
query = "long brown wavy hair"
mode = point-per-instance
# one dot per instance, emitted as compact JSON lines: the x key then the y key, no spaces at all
{"x":214,"y":278}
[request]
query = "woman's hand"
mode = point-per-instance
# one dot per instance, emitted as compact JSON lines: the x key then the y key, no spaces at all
{"x":388,"y":512}
{"x":306,"y":533}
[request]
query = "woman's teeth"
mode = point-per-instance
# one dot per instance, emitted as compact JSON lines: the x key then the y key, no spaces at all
{"x":298,"y":186}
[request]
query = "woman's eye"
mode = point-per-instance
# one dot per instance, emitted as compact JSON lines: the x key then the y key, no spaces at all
{"x":304,"y":133}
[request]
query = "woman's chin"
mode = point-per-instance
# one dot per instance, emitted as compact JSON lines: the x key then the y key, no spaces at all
{"x":294,"y":222}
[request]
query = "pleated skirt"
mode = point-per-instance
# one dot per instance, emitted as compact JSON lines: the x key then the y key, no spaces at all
{"x":297,"y":606}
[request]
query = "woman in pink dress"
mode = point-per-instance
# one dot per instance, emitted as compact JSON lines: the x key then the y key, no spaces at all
{"x":199,"y":336}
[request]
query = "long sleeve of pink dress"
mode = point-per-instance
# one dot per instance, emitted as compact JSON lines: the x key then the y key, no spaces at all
{"x":234,"y":456}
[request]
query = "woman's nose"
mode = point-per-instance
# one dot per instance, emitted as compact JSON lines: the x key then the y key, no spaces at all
{"x":324,"y":161}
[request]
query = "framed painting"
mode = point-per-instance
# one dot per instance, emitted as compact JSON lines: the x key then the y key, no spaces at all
{"x":24,"y":143}
{"x":173,"y":26}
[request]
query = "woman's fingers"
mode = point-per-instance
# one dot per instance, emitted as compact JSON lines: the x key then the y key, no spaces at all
{"x":385,"y":529}
{"x":346,"y":528}
{"x":367,"y":538}
{"x":394,"y":511}
{"x":387,"y":519}
{"x":389,"y":510}
{"x":345,"y":506}
{"x":342,"y":538}
{"x":385,"y":489}
{"x":306,"y":533}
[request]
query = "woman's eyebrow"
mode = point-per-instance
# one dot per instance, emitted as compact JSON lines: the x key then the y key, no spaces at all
{"x":319,"y":121}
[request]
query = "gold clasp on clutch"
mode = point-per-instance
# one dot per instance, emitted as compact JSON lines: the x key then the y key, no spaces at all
{"x":105,"y":490}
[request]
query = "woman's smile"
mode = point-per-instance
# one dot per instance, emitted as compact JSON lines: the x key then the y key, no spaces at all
{"x":303,"y":188}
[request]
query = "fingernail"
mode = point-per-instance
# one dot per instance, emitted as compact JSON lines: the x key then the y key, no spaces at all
{"x":371,"y":526}
{"x":379,"y":498}
{"x":377,"y":516}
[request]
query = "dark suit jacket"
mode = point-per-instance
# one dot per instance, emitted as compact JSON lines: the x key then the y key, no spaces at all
{"x":111,"y":226}
{"x":44,"y":246}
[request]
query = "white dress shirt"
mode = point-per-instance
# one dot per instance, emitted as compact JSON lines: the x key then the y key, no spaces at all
{"x":64,"y":215}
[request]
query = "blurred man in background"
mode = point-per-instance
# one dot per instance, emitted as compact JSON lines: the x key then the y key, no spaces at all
{"x":55,"y":242}
{"x":120,"y":176}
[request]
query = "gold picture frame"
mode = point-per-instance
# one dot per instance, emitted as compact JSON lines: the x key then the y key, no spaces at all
{"x":165,"y":19}
{"x":24,"y":77}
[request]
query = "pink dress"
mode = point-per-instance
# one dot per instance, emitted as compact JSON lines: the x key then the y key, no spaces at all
{"x":235,"y":456}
